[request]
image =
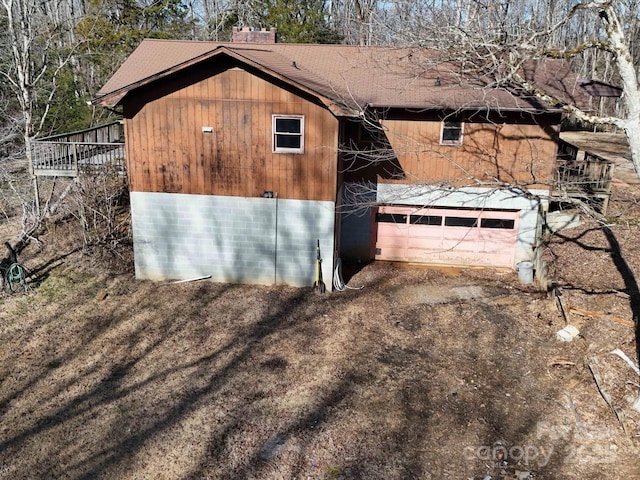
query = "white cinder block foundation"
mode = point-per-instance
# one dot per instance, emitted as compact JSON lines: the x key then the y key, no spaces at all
{"x":233,"y":239}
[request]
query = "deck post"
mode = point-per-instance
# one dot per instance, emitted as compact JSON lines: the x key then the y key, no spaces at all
{"x":34,"y":178}
{"x":74,"y":155}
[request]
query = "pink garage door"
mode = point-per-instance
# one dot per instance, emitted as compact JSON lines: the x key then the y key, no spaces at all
{"x":446,"y":236}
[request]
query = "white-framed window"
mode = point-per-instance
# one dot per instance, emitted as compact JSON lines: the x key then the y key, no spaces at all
{"x":288,"y":133}
{"x":451,"y":132}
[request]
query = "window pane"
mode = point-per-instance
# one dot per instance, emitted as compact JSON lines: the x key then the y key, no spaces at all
{"x":426,"y":220}
{"x":497,"y":223}
{"x":288,"y":125}
{"x":460,"y":222}
{"x":287,"y":141}
{"x":391,"y":218}
{"x":451,"y":134}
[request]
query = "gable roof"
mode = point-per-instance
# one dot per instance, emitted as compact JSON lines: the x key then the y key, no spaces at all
{"x":347,"y":79}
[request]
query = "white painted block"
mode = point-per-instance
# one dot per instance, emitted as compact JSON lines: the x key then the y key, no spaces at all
{"x":233,"y":239}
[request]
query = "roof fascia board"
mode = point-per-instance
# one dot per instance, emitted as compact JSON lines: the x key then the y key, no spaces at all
{"x":417,"y":109}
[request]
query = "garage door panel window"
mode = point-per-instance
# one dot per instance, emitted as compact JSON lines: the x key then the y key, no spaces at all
{"x":391,"y":218}
{"x":449,"y":221}
{"x":461,"y":222}
{"x":432,"y":220}
{"x":501,"y":223}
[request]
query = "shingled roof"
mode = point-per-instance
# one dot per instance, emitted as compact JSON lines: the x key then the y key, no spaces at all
{"x":348,"y":79}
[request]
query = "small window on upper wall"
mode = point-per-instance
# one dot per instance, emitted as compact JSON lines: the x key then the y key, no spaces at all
{"x":451,"y":133}
{"x":288,"y":133}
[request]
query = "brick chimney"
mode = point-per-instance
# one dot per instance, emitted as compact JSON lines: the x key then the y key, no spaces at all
{"x":251,"y":35}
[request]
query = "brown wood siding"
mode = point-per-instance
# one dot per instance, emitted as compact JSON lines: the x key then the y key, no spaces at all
{"x":521,"y":154}
{"x":168,"y":152}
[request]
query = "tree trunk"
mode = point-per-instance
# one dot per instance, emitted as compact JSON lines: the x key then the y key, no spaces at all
{"x":629,"y":79}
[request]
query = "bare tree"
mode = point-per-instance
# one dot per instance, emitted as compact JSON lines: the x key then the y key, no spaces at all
{"x":611,"y":38}
{"x":31,"y":75}
{"x":217,"y":15}
{"x":496,"y":40}
{"x":356,"y":20}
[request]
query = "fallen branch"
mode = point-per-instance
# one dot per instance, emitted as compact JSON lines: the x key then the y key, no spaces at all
{"x":192,"y":279}
{"x":595,"y":371}
{"x":579,"y":423}
{"x":561,"y":362}
{"x":629,"y":362}
{"x":557,"y":295}
{"x":592,"y":314}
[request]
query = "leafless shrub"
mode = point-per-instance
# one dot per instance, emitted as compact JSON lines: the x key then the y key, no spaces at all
{"x":16,"y":195}
{"x":99,"y":203}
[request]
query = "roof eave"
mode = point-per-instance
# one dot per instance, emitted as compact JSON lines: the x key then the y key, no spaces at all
{"x":112,"y":99}
{"x":117,"y":95}
{"x":487,"y":108}
{"x":109,"y":100}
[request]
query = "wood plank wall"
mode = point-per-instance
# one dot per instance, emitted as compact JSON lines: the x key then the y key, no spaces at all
{"x":522,"y":154}
{"x":168,"y":152}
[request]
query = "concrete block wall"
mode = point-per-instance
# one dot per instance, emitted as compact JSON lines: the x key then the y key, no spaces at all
{"x":301,"y":223}
{"x":233,"y":239}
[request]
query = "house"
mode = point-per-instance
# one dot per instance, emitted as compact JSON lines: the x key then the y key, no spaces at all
{"x":242,"y":156}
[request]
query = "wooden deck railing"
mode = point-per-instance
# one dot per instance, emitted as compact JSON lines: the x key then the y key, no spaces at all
{"x":593,"y":174}
{"x":88,"y":150}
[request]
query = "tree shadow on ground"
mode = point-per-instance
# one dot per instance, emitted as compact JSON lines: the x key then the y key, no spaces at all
{"x":614,"y":249}
{"x":226,"y":381}
{"x":631,"y":283}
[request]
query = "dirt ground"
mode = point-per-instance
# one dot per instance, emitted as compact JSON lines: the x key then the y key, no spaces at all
{"x":421,"y":374}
